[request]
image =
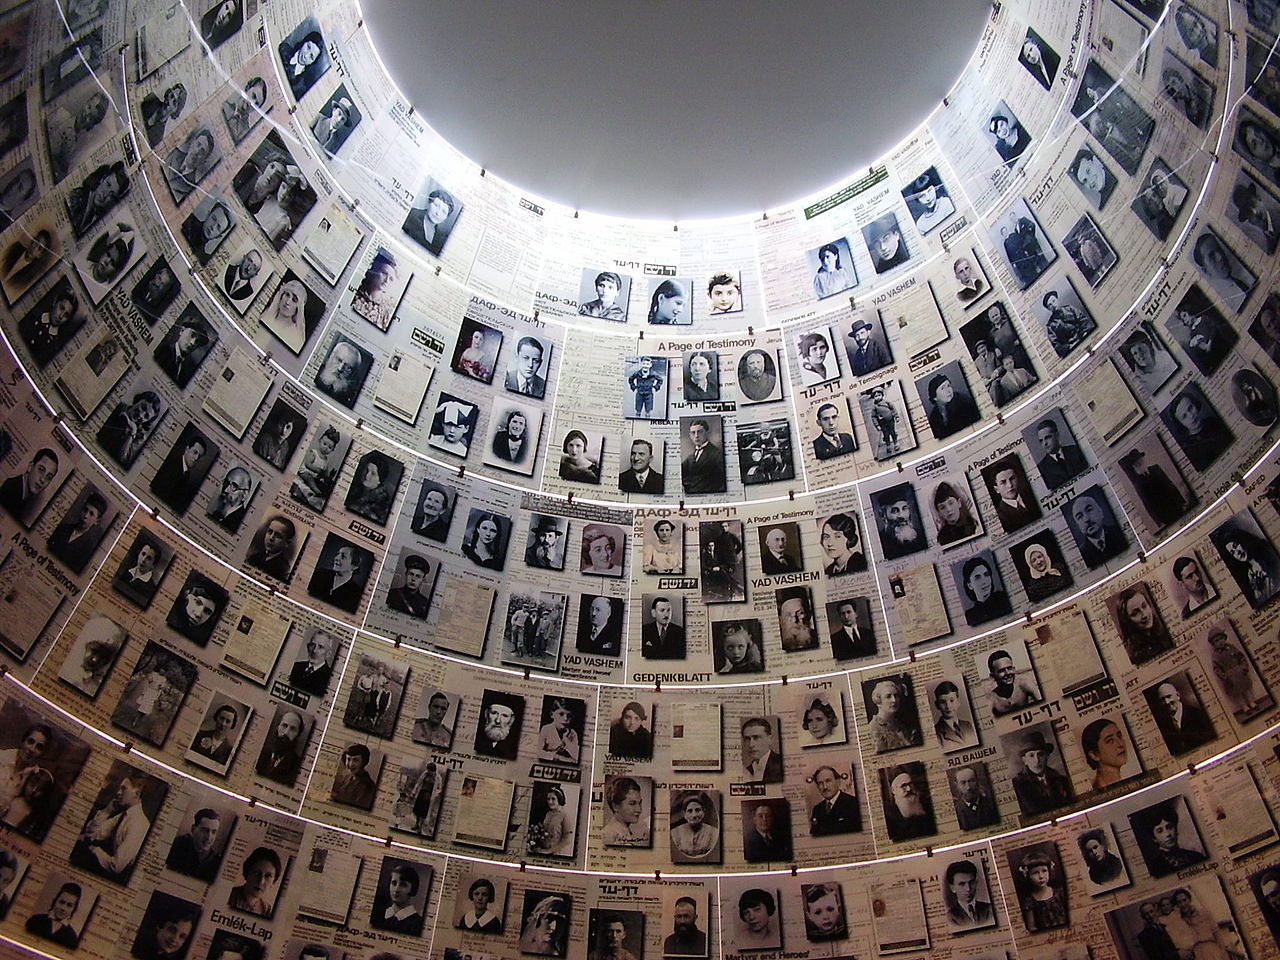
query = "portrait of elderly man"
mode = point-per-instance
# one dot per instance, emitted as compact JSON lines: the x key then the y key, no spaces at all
{"x":311,"y":672}
{"x":898,"y":521}
{"x":498,"y":733}
{"x":280,"y":759}
{"x":1094,"y":528}
{"x":757,"y":376}
{"x":892,"y":718}
{"x":908,"y":811}
{"x":837,"y":810}
{"x":342,"y":374}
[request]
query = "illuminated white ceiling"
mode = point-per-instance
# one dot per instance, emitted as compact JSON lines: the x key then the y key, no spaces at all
{"x":674,"y":109}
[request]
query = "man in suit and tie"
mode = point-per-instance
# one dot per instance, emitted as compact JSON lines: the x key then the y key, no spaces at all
{"x":237,"y":279}
{"x":703,"y":469}
{"x":760,"y":764}
{"x":183,"y":470}
{"x":765,"y":840}
{"x":523,"y":376}
{"x":660,"y":639}
{"x":774,"y":558}
{"x":312,"y":673}
{"x":599,"y":630}
{"x":974,"y":807}
{"x":964,"y":910}
{"x":954,"y":731}
{"x":1012,"y":498}
{"x":831,"y":442}
{"x":1184,"y":726}
{"x":640,"y":477}
{"x":1097,"y":535}
{"x":1061,"y":462}
{"x":853,"y":638}
{"x":837,"y":811}
{"x":21,"y":494}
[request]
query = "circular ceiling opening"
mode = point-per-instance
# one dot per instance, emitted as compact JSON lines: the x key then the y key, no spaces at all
{"x":674,"y":110}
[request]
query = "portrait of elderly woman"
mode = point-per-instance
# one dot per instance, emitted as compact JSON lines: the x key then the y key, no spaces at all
{"x":374,"y":486}
{"x":1041,"y":566}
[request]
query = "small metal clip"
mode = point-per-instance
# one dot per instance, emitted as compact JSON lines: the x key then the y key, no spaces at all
{"x":438,"y":269}
{"x":899,"y":466}
{"x":387,"y":841}
{"x":911,"y":655}
{"x":657,"y":686}
{"x":128,"y":746}
{"x":482,"y":173}
{"x":928,"y":851}
{"x":785,"y":679}
{"x":791,"y":495}
{"x":462,"y":470}
{"x":360,"y":423}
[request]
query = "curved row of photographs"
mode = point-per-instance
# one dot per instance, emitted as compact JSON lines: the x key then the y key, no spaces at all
{"x":176,"y":698}
{"x":137,"y":861}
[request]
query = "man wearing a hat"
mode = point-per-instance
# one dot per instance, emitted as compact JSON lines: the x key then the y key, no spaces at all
{"x":907,"y":811}
{"x":407,"y":598}
{"x":868,"y":354}
{"x":544,"y":550}
{"x":1039,"y":787}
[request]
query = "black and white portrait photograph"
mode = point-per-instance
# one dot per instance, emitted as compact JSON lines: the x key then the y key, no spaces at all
{"x":696,"y":824}
{"x":453,"y":425}
{"x":1059,"y":457}
{"x":1094,"y":527}
{"x":219,"y":733}
{"x":95,"y":196}
{"x":724,"y":293}
{"x":1254,"y":396}
{"x":1233,"y":672}
{"x":947,"y":400}
{"x":981,"y":589}
{"x":374,"y":701}
{"x":244,"y":110}
{"x":955,"y":516}
{"x":824,"y":912}
{"x":202,"y":838}
{"x":185,"y":346}
{"x":498,"y":730}
{"x":1189,"y":585}
{"x":342,"y":570}
{"x":280,"y":434}
{"x":400,"y":902}
{"x":292,"y":315}
{"x":1004,"y":367}
{"x":34,"y":478}
{"x":561,"y":730}
{"x":528,"y":365}
{"x":274,"y":190}
{"x":198,"y":608}
{"x":1114,"y":118}
{"x":905,"y":799}
{"x":1022,"y":244}
{"x":1067,"y":321}
{"x":1090,"y":250}
{"x":304,"y":57}
{"x":275,"y":546}
{"x":886,"y":420}
{"x":315,"y":477}
{"x":971,"y":280}
{"x":737,"y":646}
{"x":602,"y":551}
{"x":966,"y":895}
{"x":1197,"y":35}
{"x":647,"y":388}
{"x":19,"y":191}
{"x":581,"y":456}
{"x":342,"y":374}
{"x":663,"y":550}
{"x":1182,"y":919}
{"x":1223,"y":269}
{"x":30,"y":256}
{"x":1167,"y":836}
{"x":1256,"y":211}
{"x":553,"y":828}
{"x":835,"y":436}
{"x":764,"y":452}
{"x":412,"y":582}
{"x":336,"y":120}
{"x":1250,"y":557}
{"x":866,"y":343}
{"x":928,"y":201}
{"x":52,"y":321}
{"x":751,"y":918}
{"x":604,"y":294}
{"x":514,"y":429}
{"x":126,"y":432}
{"x":1180,"y":716}
{"x":701,"y":375}
{"x":43,"y":762}
{"x":721,"y":561}
{"x":120,"y":817}
{"x":766,"y":831}
{"x":420,"y":792}
{"x":952,"y":715}
{"x":189,"y":162}
{"x":78,"y":533}
{"x":1185,"y":91}
{"x":75,"y":126}
{"x":1102,"y":861}
{"x":893,"y":717}
{"x":1091,"y":175}
{"x":544,"y":923}
{"x":1146,"y":356}
{"x":898,"y":521}
{"x":600,"y":621}
{"x":702,"y":464}
{"x":481,"y":902}
{"x":1040,"y":885}
{"x":436,"y":718}
{"x":1037,"y":769}
{"x":973,"y":796}
{"x":142,"y":569}
{"x":822,"y":719}
{"x":208,"y":226}
{"x":631,"y":731}
{"x":154,"y":692}
{"x":547,"y":543}
{"x":1161,"y":197}
{"x":533,"y":628}
{"x":156,"y":290}
{"x":833,"y":268}
{"x":434,"y":512}
{"x":475,"y":354}
{"x":374,"y":485}
{"x":780,"y":548}
{"x":646,"y":465}
{"x":852,"y":631}
{"x":433,"y":214}
{"x":1258,"y":143}
{"x":885,"y":243}
{"x":670,"y":302}
{"x":817,"y":362}
{"x":355,"y":781}
{"x":62,"y":908}
{"x":245,"y":276}
{"x":92,"y":654}
{"x":1039,"y":59}
{"x":485,"y":539}
{"x":1196,"y":426}
{"x":184,"y":468}
{"x":1006,"y":134}
{"x":381,"y":289}
{"x":1041,"y":567}
{"x":797,"y":624}
{"x":283,"y":750}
